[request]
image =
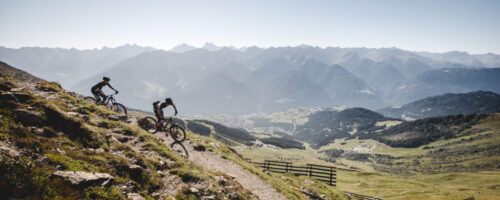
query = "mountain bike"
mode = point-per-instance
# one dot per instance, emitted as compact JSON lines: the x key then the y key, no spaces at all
{"x":167,"y":124}
{"x":110,"y":103}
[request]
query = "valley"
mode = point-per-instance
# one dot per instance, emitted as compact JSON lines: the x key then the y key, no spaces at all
{"x":462,"y":165}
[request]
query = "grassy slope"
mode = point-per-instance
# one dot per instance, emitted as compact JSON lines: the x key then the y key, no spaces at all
{"x":32,"y":177}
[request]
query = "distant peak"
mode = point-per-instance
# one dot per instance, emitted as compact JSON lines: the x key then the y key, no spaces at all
{"x":181,"y":48}
{"x":211,"y":47}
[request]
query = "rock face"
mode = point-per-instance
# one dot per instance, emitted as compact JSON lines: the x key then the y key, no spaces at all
{"x":28,"y":118}
{"x":85,"y":179}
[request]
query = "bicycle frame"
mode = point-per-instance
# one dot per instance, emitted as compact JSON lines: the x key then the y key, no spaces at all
{"x":110,"y":98}
{"x":166,"y":121}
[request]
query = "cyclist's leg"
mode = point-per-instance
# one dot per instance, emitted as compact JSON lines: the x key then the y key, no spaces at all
{"x":96,"y":96}
{"x":101,"y":93}
{"x":159,"y":117}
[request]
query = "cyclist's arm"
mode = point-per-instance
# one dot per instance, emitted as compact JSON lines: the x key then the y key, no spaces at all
{"x":109,"y":85}
{"x":175,"y":108}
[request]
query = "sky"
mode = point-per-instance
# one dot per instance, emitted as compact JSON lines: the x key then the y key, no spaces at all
{"x":423,"y":25}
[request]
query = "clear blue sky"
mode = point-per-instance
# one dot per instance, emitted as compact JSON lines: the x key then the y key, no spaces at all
{"x":420,"y":25}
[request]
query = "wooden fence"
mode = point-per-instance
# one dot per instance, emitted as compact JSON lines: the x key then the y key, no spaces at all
{"x":321,"y":173}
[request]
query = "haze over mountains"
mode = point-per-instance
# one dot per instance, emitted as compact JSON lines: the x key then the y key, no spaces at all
{"x":216,"y":79}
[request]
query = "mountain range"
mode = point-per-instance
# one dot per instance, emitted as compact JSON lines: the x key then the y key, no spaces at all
{"x":217,"y":79}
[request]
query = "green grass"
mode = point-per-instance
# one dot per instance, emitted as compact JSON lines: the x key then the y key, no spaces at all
{"x":453,"y":176}
{"x":422,"y":186}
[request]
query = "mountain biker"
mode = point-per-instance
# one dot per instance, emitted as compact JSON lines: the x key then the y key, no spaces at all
{"x":97,"y":90}
{"x":158,"y":109}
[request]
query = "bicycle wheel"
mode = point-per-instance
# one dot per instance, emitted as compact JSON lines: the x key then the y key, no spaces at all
{"x":148,"y":124}
{"x":177,"y":133}
{"x":119,"y":108}
{"x":89,"y":99}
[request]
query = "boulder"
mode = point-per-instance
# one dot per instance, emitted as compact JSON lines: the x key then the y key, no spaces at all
{"x":5,"y":86}
{"x":35,"y":130}
{"x":134,"y":196}
{"x":28,"y":118}
{"x":211,"y":197}
{"x":194,"y":190}
{"x":221,"y":180}
{"x":234,"y":196}
{"x":84,"y":179}
{"x":118,"y":117}
{"x":85,"y":118}
{"x":135,"y":171}
{"x":199,"y":147}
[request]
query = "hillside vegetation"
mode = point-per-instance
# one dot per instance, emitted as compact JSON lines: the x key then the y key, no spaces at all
{"x":447,"y":104}
{"x":324,"y":127}
{"x":423,"y":131}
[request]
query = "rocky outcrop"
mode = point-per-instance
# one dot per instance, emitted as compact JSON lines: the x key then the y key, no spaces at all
{"x":8,"y":97}
{"x":28,"y":118}
{"x":5,"y":86}
{"x":84,"y":179}
{"x":135,"y":171}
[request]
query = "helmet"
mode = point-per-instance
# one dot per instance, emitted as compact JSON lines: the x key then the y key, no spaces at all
{"x":106,"y":78}
{"x":169,"y":100}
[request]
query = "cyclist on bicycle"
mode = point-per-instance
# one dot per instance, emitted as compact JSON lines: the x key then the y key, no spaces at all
{"x":158,"y":109}
{"x":97,"y":90}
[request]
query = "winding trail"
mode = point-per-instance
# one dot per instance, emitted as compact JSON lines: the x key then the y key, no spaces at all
{"x":213,"y":161}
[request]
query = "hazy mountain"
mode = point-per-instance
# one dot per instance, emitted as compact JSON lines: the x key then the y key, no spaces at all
{"x":374,"y":73}
{"x":443,"y":81}
{"x":67,"y":66}
{"x":457,"y":57}
{"x":293,"y":89}
{"x":218,"y":93}
{"x":345,"y":88}
{"x":447,"y":104}
{"x":492,"y":60}
{"x":155,"y":75}
{"x":181,"y":48}
{"x":270,"y":78}
{"x":211,"y":47}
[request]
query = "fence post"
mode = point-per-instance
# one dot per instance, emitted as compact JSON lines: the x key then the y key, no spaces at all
{"x":286,"y":170}
{"x":331,"y":173}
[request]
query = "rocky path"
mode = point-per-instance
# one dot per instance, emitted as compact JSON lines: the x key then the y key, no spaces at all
{"x":213,"y":161}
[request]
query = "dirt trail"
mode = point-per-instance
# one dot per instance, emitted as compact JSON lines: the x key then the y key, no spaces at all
{"x":213,"y":161}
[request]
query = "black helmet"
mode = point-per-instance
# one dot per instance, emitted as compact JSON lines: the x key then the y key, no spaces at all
{"x":169,"y":100}
{"x":106,"y":78}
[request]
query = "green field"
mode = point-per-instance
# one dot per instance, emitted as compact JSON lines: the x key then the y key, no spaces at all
{"x":457,"y":168}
